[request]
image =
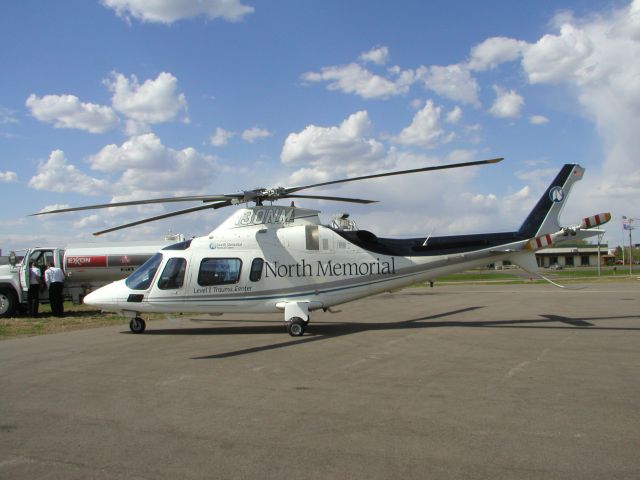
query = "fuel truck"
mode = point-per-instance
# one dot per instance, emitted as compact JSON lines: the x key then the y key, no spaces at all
{"x":85,"y":266}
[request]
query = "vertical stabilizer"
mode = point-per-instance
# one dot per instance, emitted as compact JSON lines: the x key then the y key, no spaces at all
{"x":544,"y":216}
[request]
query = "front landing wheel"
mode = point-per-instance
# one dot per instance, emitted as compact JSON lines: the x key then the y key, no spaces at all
{"x":296,"y":327}
{"x":137,"y":325}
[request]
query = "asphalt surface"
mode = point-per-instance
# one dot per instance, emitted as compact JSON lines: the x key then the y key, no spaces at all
{"x":452,"y":382}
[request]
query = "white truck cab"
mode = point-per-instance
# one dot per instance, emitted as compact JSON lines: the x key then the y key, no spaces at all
{"x":86,"y":267}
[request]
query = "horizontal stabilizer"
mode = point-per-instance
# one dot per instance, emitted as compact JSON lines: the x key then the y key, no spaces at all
{"x":539,"y":242}
{"x":582,"y":231}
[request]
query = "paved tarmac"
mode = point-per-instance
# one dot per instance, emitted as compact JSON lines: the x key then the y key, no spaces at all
{"x":500,"y":382}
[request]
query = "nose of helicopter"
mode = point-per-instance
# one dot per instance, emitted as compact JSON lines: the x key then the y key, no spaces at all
{"x":105,"y":297}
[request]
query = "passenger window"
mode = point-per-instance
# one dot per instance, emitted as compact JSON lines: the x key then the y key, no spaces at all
{"x":218,"y":271}
{"x":256,"y":269}
{"x":173,"y":274}
{"x":312,"y":237}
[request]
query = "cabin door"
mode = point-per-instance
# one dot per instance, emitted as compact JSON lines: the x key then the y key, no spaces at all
{"x":170,"y":286}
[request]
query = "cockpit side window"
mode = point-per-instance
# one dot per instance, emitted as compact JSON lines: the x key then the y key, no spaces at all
{"x":172,"y":276}
{"x":256,"y":269}
{"x":141,"y":279}
{"x":219,"y":271}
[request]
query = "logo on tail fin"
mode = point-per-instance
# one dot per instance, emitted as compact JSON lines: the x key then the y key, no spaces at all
{"x":556,"y":194}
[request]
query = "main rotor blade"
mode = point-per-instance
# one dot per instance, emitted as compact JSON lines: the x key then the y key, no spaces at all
{"x":400,"y":172}
{"x":192,"y":198}
{"x":166,"y":215}
{"x":337,"y":199}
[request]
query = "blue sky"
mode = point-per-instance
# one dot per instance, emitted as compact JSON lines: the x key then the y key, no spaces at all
{"x":117,"y":100}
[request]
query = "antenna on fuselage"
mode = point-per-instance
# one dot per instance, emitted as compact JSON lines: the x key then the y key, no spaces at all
{"x":426,"y":240}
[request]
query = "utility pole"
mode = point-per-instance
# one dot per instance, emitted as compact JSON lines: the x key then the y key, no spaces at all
{"x":630,"y":247}
{"x":624,"y":223}
{"x":600,"y":235}
{"x":627,"y":224}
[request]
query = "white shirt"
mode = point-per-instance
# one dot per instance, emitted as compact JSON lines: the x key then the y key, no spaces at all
{"x":53,"y":274}
{"x":34,"y":276}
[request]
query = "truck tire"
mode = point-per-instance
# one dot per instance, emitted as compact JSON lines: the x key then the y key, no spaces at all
{"x":8,"y":303}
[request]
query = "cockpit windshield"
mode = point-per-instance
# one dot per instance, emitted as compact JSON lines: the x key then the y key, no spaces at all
{"x":141,"y":279}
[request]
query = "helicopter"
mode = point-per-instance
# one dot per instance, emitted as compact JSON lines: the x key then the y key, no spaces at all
{"x":273,"y":258}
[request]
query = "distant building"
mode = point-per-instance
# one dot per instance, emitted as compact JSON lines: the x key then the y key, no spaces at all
{"x":574,"y":256}
{"x":568,"y":256}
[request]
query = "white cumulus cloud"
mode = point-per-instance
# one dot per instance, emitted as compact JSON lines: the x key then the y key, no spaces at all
{"x":538,"y":119}
{"x":494,"y":51}
{"x":507,"y":103}
{"x":333,"y":145}
{"x":169,"y":11}
{"x":57,"y":175}
{"x":555,"y":57}
{"x":8,"y":176}
{"x":147,"y":167}
{"x":377,"y":55}
{"x":67,"y":111}
{"x":221,"y":137}
{"x":154,"y":101}
{"x":454,"y":82}
{"x":355,"y":79}
{"x":425,"y":129}
{"x":253,"y":134}
{"x":455,"y":115}
{"x":479,"y":200}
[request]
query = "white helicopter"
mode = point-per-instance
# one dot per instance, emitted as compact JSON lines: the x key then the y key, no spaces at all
{"x":265,"y":259}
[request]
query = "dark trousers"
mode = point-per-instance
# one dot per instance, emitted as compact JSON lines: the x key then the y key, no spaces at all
{"x":33,"y":300}
{"x":55,"y":298}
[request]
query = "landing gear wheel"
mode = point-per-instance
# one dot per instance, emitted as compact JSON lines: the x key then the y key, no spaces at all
{"x":137,"y":325}
{"x":296,"y":326}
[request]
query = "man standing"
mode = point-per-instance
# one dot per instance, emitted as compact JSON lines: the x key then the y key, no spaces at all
{"x":54,"y":277}
{"x":33,"y":294}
